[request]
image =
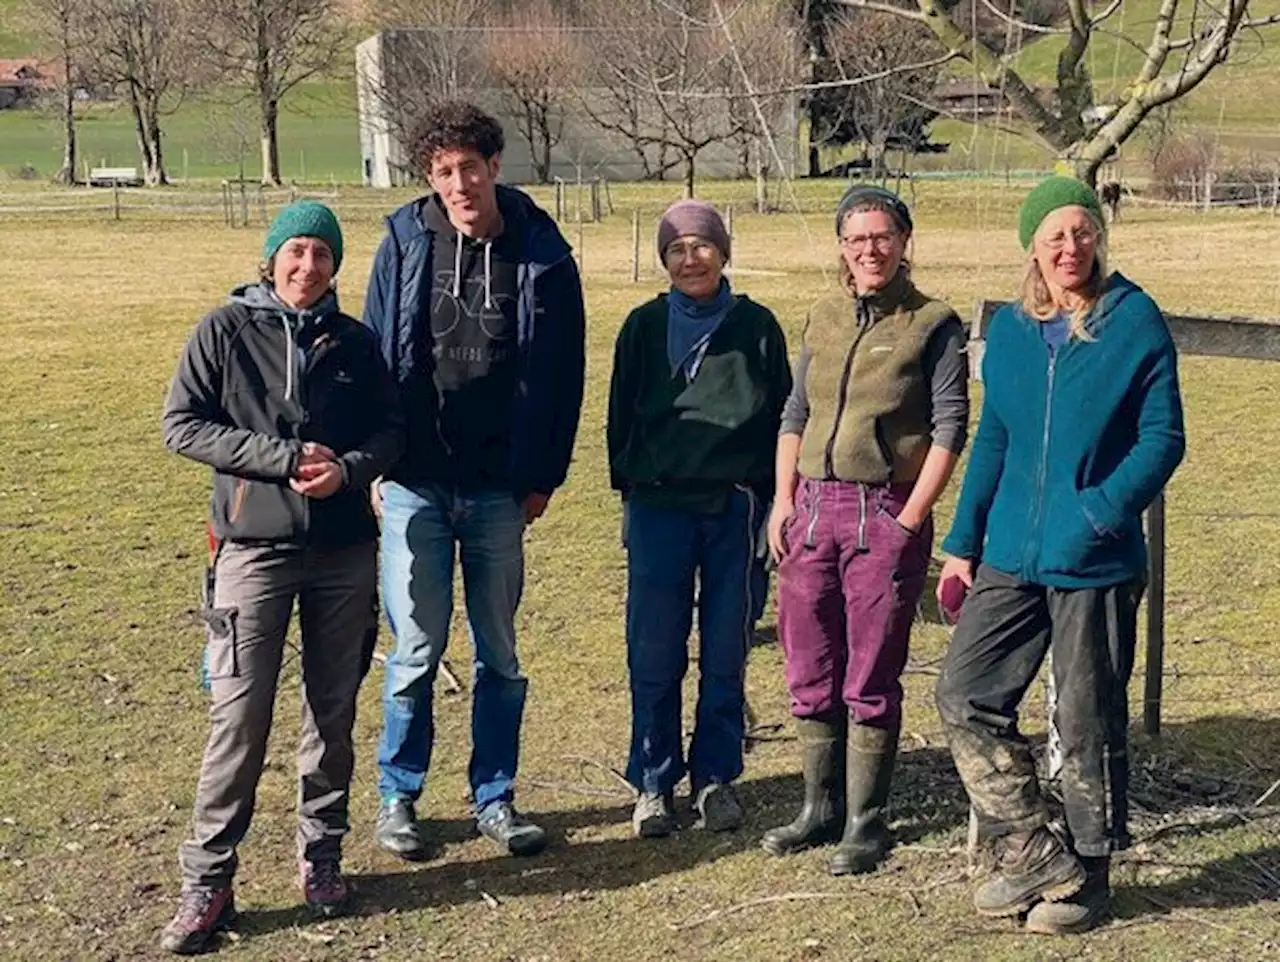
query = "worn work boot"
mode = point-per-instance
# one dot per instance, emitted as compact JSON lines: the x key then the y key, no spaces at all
{"x":202,"y":914}
{"x":397,"y":831}
{"x":719,"y":808}
{"x":821,"y":817}
{"x":501,"y":823}
{"x":654,"y":815}
{"x":870,"y":755}
{"x":1083,"y":911}
{"x":1030,"y":867}
{"x":323,"y":887}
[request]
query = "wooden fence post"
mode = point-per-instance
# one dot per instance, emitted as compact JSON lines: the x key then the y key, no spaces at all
{"x":635,"y":246}
{"x":1154,"y":683}
{"x":115,"y":198}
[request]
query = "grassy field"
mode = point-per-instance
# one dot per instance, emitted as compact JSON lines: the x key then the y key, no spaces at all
{"x":102,"y":722}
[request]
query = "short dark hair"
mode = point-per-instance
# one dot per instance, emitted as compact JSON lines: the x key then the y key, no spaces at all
{"x":453,"y":125}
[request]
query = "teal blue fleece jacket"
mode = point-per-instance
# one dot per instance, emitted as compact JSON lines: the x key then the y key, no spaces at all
{"x":1072,"y":445}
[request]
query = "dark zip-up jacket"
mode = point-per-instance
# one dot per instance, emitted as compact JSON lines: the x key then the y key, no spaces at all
{"x":1072,"y":446}
{"x":551,"y":340}
{"x":256,"y":380}
{"x":686,"y":442}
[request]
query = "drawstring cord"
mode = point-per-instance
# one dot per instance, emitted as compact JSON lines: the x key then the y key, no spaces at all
{"x":457,"y":266}
{"x":289,"y":359}
{"x":488,"y":251}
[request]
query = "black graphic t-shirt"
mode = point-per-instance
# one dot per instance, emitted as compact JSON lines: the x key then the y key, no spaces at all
{"x":474,"y":357}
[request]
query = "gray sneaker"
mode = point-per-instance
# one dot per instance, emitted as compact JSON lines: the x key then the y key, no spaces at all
{"x":501,"y":823}
{"x":397,"y":831}
{"x":718,"y":807}
{"x":654,"y":815}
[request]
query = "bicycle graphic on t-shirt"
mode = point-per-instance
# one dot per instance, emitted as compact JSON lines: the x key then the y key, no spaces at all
{"x":448,"y":310}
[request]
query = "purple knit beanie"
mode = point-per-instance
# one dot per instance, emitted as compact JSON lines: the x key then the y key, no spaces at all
{"x":694,"y":217}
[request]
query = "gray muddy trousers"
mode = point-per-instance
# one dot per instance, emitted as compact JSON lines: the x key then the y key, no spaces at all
{"x":253,"y":597}
{"x":1006,"y":628}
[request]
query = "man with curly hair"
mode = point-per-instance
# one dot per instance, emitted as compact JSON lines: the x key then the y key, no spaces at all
{"x":477,"y":302}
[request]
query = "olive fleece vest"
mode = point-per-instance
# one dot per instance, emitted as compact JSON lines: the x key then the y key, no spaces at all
{"x":870,"y":408}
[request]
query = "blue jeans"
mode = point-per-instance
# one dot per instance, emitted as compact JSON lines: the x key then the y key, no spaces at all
{"x":667,"y":549}
{"x":420,"y":528}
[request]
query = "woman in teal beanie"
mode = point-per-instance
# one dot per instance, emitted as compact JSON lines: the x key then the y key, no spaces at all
{"x":1081,"y":428}
{"x":287,"y":399}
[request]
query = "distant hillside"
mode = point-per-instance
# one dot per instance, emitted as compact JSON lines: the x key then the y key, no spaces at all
{"x":12,"y":43}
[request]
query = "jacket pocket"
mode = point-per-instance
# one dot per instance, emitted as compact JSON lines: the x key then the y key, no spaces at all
{"x":1074,"y":542}
{"x":221,"y":649}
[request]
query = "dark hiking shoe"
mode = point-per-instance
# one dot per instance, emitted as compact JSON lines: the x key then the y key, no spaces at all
{"x":1030,"y":867}
{"x":821,"y":817}
{"x":1085,"y":910}
{"x":202,"y":914}
{"x":397,"y":831}
{"x":323,"y":887}
{"x":869,"y":761}
{"x":719,"y":808}
{"x":501,"y":823}
{"x":654,"y":815}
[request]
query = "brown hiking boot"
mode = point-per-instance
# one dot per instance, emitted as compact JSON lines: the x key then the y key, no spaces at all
{"x":868,"y":777}
{"x":1083,"y":911}
{"x":202,"y":913}
{"x":1030,"y":867}
{"x":821,"y":815}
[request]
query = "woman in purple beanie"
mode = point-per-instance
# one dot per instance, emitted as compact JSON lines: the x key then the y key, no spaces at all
{"x":700,"y":376}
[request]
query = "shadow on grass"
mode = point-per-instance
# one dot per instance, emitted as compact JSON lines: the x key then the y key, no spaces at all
{"x":928,"y":800}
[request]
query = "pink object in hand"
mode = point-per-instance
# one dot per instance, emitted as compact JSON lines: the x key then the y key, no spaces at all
{"x":951,"y":598}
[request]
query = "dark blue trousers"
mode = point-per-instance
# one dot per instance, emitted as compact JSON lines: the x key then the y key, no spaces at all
{"x":667,"y":551}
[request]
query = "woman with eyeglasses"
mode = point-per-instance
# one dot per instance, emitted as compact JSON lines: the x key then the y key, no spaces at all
{"x":869,"y":439}
{"x":700,"y":375}
{"x":1081,"y":428}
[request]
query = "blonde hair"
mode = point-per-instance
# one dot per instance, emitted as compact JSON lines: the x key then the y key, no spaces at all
{"x":1037,"y":301}
{"x":843,"y":274}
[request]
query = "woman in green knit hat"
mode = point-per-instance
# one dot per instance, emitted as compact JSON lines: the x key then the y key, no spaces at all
{"x":1081,"y":428}
{"x":287,"y":399}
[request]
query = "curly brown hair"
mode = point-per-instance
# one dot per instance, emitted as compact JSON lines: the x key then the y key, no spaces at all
{"x":453,"y":125}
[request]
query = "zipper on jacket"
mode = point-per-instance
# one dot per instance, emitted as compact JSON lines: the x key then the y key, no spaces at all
{"x":1042,"y":473}
{"x":842,"y":396}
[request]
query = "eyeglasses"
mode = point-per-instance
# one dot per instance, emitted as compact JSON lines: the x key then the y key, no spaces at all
{"x":1085,"y":237}
{"x":698,"y":250}
{"x":860,"y":242}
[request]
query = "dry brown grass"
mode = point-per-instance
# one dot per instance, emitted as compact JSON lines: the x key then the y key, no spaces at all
{"x":102,"y":724}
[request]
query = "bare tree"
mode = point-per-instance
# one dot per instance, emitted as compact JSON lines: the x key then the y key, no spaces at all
{"x":148,"y":49}
{"x":430,"y":51}
{"x":59,"y":26}
{"x":533,"y":58}
{"x":664,"y":74}
{"x":870,"y":44}
{"x":272,"y":46}
{"x":1189,"y":40}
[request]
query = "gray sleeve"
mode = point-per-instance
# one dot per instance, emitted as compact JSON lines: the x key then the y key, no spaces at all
{"x":795,"y":413}
{"x":195,"y":423}
{"x":947,"y":371}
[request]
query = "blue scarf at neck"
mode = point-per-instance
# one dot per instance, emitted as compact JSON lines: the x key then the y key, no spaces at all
{"x":690,"y":324}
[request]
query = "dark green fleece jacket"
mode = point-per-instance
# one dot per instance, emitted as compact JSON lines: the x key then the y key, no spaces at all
{"x":686,"y":443}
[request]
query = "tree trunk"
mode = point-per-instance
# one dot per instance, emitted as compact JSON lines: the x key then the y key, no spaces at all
{"x":270,"y":143}
{"x":156,"y":176}
{"x":67,"y":174}
{"x":140,"y":131}
{"x":542,"y":161}
{"x":688,"y":174}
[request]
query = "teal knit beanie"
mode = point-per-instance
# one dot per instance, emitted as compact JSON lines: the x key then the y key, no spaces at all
{"x":304,"y":218}
{"x":1050,"y":195}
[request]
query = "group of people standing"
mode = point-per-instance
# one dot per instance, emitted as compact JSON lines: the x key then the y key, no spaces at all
{"x":451,"y":413}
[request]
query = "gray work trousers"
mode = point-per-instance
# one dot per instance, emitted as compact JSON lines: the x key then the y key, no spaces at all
{"x":253,"y":593}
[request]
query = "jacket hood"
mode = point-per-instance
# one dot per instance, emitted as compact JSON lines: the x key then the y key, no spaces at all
{"x":541,"y":242}
{"x":262,"y":297}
